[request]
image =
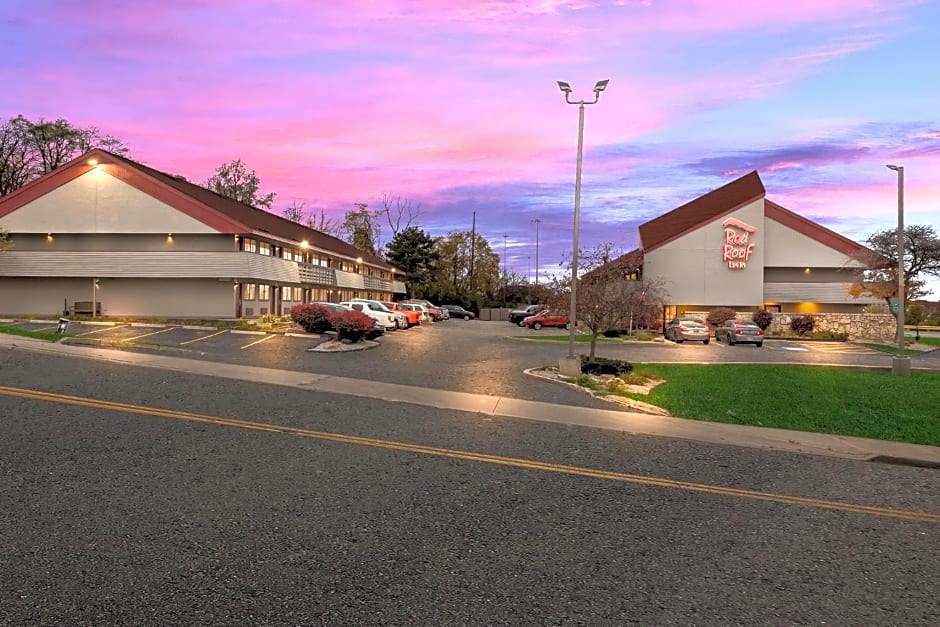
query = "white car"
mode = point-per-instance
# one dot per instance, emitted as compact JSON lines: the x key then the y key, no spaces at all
{"x":384,"y":318}
{"x":401,"y":320}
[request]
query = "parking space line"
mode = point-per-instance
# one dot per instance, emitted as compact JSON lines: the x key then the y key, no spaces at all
{"x":264,"y":339}
{"x":137,"y":337}
{"x":204,"y":337}
{"x":100,"y":330}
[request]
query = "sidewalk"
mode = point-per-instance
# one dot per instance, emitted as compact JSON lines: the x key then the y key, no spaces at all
{"x":630,"y":422}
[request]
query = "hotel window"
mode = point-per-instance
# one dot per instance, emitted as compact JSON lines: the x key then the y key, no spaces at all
{"x":250,"y":292}
{"x":251,"y":245}
{"x":264,"y":292}
{"x":264,"y":248}
{"x":287,"y":253}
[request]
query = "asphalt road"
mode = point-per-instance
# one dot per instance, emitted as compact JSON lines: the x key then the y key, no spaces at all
{"x":332,"y":510}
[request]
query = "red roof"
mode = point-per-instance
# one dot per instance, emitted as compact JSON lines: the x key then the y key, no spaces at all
{"x":219,"y":212}
{"x":700,"y":211}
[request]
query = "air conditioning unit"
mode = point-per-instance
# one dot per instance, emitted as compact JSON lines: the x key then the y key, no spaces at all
{"x":249,"y":311}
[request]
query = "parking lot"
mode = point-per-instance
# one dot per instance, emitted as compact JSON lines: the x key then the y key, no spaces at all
{"x":469,"y":356}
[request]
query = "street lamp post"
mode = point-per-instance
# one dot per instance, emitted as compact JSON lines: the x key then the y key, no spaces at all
{"x":537,"y":221}
{"x":900,"y":363}
{"x":571,"y":365}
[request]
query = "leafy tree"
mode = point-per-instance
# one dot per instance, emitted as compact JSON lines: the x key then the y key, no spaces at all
{"x":921,"y":257}
{"x":468,"y":269}
{"x":606,"y":295}
{"x":361,"y":229}
{"x":414,"y":253}
{"x":18,"y":164}
{"x":5,"y":243}
{"x":235,"y":181}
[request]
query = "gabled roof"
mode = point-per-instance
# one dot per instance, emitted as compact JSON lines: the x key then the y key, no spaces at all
{"x":702,"y":210}
{"x":219,"y":212}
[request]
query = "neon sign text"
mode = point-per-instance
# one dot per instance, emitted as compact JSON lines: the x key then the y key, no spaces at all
{"x":736,"y":249}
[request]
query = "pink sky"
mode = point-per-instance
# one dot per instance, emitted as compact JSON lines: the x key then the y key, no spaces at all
{"x":454,"y":105}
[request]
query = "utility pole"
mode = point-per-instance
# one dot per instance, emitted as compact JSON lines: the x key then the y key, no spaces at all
{"x":537,"y":221}
{"x":473,"y":245}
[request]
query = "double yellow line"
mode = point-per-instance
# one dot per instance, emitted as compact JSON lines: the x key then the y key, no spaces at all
{"x":474,"y":457}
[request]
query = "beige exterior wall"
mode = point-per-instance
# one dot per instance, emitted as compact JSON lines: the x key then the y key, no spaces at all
{"x":791,"y":249}
{"x":97,"y":202}
{"x":693,"y":266}
{"x":164,"y":298}
{"x":815,"y":275}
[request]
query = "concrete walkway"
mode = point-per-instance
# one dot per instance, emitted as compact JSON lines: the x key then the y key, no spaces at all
{"x":635,"y":423}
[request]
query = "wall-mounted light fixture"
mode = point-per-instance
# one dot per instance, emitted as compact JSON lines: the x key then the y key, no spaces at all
{"x":93,"y":163}
{"x":358,"y":259}
{"x":305,"y":244}
{"x":48,"y":237}
{"x":169,"y":238}
{"x":805,"y":270}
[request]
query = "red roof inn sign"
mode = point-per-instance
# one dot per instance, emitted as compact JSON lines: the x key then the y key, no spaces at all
{"x":737,"y":250}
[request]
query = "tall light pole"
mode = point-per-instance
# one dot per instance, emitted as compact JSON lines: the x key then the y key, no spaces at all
{"x":901,"y":363}
{"x":537,"y":221}
{"x":505,"y":270}
{"x":571,"y":365}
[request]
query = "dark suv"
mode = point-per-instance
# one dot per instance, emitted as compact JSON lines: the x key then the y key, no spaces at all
{"x":516,"y":316}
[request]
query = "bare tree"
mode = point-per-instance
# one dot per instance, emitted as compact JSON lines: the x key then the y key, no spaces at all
{"x":399,"y":213}
{"x":315,"y":219}
{"x":609,"y":295}
{"x":17,"y":162}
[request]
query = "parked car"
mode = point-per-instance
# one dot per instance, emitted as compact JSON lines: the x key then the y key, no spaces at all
{"x":401,"y":320}
{"x":436,"y":313}
{"x":414,"y":317}
{"x":547,"y":319}
{"x":422,"y":311}
{"x":516,"y":316}
{"x":681,"y":329}
{"x":739,"y":332}
{"x":456,"y":311}
{"x":385,"y":318}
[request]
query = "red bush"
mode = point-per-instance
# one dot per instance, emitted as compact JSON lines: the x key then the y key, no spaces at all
{"x":351,"y":325}
{"x":802,"y":324}
{"x":312,"y":318}
{"x":762,"y":318}
{"x":718,"y":315}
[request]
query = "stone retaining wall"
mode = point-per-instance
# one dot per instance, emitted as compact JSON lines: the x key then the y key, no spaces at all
{"x":877,"y":327}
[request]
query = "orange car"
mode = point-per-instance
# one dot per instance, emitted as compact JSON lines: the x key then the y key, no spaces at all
{"x":414,"y":317}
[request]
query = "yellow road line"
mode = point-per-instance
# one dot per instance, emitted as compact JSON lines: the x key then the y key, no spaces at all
{"x":477,"y":457}
{"x":204,"y":337}
{"x":100,"y":330}
{"x":264,"y":339}
{"x":137,"y":337}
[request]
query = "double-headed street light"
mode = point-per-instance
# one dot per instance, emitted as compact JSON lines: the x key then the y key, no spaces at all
{"x":901,"y":363}
{"x":571,"y":365}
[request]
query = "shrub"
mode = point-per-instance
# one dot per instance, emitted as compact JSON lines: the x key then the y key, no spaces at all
{"x":831,"y":335}
{"x":762,"y":318}
{"x":718,"y":315}
{"x":351,"y":325}
{"x":612,"y":333}
{"x":802,"y":324}
{"x":311,"y":318}
{"x":602,"y":365}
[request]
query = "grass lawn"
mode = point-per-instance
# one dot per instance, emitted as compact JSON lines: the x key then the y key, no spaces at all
{"x":865,"y":403}
{"x":39,"y":335}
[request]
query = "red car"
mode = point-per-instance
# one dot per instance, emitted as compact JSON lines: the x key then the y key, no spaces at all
{"x":547,"y":319}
